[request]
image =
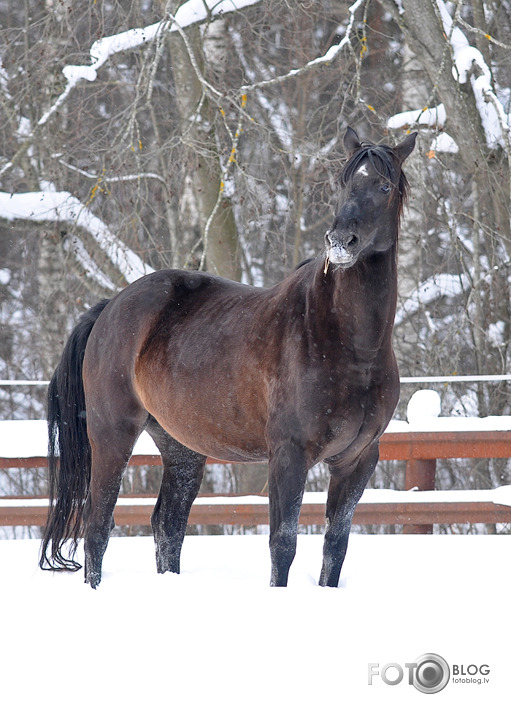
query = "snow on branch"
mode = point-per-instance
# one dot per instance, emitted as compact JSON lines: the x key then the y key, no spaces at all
{"x":63,"y":207}
{"x":442,"y":285}
{"x":189,"y":13}
{"x":76,"y":247}
{"x":325,"y":59}
{"x":469,"y":65}
{"x":434,"y":117}
{"x":443,"y":143}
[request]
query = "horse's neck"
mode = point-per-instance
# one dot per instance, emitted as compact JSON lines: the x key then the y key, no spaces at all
{"x":358,"y":303}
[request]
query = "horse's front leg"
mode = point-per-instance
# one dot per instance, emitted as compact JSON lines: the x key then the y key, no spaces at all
{"x":287,"y":474}
{"x":346,"y":488}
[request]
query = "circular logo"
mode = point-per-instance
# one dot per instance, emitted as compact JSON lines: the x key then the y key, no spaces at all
{"x":431,"y":674}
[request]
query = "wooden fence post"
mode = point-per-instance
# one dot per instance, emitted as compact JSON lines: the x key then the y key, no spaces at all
{"x":420,"y":474}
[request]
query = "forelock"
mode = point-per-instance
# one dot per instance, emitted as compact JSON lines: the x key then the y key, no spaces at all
{"x":383,"y":160}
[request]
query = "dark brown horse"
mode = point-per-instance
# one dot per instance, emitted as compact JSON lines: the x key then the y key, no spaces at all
{"x":296,"y":374}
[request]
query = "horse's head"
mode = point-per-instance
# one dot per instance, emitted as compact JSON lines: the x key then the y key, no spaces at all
{"x":373,"y":189}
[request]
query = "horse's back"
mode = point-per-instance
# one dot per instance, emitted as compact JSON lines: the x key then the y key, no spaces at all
{"x":155,"y":303}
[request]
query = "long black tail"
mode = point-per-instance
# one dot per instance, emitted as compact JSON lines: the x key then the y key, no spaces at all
{"x":69,"y":453}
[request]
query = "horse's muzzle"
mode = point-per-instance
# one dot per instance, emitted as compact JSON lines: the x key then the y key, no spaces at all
{"x":341,"y":249}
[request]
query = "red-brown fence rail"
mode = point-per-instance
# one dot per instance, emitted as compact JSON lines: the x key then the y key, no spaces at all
{"x":415,"y":512}
{"x":213,"y":509}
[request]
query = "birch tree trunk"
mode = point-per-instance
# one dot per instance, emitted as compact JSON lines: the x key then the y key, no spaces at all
{"x":214,"y":214}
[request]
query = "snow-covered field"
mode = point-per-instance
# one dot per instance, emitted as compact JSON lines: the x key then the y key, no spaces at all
{"x":217,"y":639}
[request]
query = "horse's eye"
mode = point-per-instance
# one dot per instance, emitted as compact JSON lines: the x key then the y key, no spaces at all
{"x":385,"y":188}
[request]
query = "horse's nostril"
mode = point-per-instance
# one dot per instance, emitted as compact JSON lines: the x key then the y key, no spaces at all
{"x":352,"y":242}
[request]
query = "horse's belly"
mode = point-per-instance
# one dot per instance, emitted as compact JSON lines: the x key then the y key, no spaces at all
{"x":218,"y":431}
{"x":225,"y":448}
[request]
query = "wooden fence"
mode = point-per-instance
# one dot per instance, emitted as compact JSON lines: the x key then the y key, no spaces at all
{"x":415,"y":510}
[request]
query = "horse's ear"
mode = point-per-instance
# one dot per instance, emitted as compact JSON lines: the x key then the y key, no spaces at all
{"x":404,"y":149}
{"x":351,"y":142}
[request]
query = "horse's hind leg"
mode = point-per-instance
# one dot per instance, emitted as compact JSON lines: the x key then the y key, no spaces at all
{"x":111,"y":450}
{"x":183,"y":470}
{"x":343,"y":494}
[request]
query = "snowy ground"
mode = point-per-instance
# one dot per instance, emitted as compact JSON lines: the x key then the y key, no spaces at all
{"x":217,"y":639}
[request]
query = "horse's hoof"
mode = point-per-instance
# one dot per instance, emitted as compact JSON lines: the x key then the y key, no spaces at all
{"x":278,"y":581}
{"x":93,"y":579}
{"x":167,"y":560}
{"x":329,"y":582}
{"x":166,"y":568}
